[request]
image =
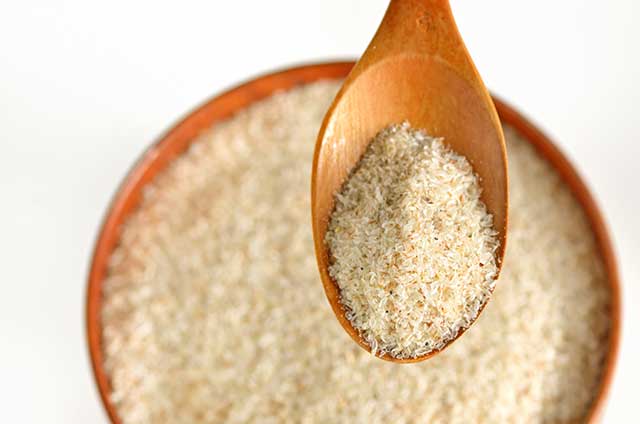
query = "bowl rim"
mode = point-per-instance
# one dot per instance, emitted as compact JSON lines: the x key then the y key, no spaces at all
{"x":220,"y":107}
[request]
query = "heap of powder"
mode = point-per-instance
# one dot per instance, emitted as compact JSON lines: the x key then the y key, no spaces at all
{"x":214,"y":312}
{"x":412,"y":246}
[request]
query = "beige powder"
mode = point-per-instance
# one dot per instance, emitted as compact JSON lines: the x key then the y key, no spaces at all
{"x":412,"y":246}
{"x":214,"y":312}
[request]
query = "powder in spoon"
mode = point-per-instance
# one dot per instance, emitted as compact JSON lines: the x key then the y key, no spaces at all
{"x":412,"y":245}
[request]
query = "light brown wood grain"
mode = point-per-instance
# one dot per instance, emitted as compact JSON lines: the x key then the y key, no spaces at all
{"x":156,"y":159}
{"x":415,"y":69}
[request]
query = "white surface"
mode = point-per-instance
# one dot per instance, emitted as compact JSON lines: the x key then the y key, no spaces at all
{"x":86,"y":86}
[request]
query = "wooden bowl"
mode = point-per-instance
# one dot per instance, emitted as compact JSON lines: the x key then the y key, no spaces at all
{"x":176,"y":141}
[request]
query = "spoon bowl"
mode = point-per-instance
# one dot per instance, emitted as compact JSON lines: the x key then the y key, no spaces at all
{"x":415,"y":69}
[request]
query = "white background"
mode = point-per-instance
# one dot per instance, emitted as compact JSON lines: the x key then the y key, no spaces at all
{"x":86,"y":85}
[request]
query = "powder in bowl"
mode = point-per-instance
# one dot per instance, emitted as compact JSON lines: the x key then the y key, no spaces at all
{"x":214,"y":312}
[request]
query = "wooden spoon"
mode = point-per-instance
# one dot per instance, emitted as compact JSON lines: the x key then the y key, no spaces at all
{"x":415,"y":69}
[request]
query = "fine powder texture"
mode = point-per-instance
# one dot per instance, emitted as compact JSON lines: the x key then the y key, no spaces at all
{"x":214,"y":312}
{"x":412,"y":246}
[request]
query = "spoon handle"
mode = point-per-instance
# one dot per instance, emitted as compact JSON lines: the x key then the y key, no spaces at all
{"x":419,"y":27}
